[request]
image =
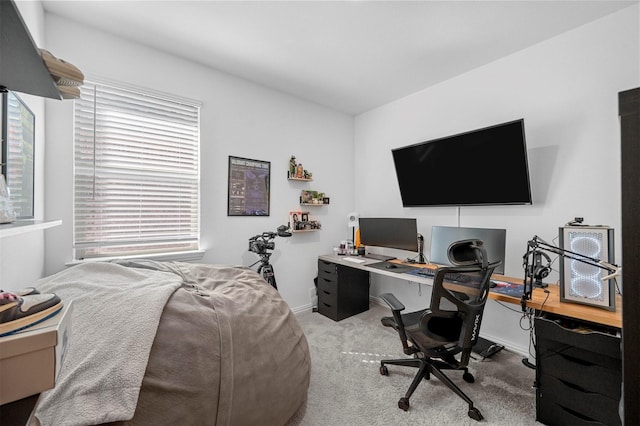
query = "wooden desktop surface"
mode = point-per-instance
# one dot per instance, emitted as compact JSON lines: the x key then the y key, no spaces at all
{"x":540,"y":300}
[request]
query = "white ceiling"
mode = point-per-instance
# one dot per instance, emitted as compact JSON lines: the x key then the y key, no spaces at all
{"x":349,"y":55}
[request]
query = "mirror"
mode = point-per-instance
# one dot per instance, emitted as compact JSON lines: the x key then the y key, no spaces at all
{"x":18,"y":143}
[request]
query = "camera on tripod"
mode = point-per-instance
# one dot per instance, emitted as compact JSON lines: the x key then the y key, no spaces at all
{"x":260,"y":246}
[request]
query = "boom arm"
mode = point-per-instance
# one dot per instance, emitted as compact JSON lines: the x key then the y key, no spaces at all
{"x":537,"y":245}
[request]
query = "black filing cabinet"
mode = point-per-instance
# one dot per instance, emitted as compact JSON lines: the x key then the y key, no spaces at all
{"x":578,"y":373}
{"x":342,"y":291}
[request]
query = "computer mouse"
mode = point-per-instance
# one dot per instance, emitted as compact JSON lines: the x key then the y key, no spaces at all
{"x":391,"y":266}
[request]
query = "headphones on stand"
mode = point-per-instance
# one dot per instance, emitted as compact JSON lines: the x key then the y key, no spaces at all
{"x":538,"y":269}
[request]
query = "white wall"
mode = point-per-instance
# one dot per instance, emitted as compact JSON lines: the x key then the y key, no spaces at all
{"x":22,"y":256}
{"x":566,"y":89}
{"x":237,"y":118}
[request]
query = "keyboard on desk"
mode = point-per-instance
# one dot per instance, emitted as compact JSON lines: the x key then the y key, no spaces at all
{"x":450,"y":276}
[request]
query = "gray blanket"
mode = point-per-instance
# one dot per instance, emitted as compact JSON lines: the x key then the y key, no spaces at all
{"x":114,"y":322}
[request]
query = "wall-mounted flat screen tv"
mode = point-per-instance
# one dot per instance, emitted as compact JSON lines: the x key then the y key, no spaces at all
{"x":487,"y":166}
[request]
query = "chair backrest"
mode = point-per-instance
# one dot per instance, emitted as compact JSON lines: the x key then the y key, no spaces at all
{"x":458,"y":298}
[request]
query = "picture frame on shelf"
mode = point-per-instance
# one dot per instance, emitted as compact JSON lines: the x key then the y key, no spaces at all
{"x":301,"y":221}
{"x":295,"y":220}
{"x":306,"y":196}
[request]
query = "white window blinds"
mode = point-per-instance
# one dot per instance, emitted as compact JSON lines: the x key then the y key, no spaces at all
{"x":136,"y":173}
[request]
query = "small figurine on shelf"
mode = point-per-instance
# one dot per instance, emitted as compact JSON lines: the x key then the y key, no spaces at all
{"x":297,"y":171}
{"x":292,"y":166}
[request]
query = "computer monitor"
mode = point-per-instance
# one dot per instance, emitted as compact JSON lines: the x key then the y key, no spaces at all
{"x":494,"y":243}
{"x":398,"y":233}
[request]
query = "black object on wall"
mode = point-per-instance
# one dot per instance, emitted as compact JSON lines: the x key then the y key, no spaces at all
{"x":483,"y":166}
{"x":629,"y":110}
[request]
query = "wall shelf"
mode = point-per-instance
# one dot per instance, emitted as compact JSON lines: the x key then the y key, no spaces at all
{"x":313,"y":198}
{"x":301,"y":221}
{"x":300,"y":179}
{"x":23,"y":226}
{"x":21,"y":66}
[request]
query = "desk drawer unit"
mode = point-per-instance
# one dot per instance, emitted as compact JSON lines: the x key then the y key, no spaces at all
{"x":342,"y":291}
{"x":579,"y":375}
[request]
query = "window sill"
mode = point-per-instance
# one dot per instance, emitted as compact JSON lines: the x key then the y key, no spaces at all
{"x":27,"y":225}
{"x":182,"y":256}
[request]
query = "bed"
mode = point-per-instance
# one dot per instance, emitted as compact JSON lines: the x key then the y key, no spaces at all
{"x":175,"y":343}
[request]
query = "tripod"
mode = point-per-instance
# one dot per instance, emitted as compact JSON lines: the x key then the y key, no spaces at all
{"x":261,"y":244}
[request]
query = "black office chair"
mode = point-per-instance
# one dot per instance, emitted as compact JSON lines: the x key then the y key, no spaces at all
{"x":450,"y":327}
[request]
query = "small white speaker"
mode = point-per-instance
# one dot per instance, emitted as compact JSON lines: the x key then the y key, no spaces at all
{"x":582,"y":282}
{"x":353,"y":219}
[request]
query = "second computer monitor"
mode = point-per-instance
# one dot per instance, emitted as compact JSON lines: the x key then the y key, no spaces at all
{"x":398,"y":233}
{"x":494,"y":243}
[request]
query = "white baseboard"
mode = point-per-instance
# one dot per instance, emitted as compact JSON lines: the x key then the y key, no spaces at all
{"x":524,"y":351}
{"x":301,"y":309}
{"x":378,"y":301}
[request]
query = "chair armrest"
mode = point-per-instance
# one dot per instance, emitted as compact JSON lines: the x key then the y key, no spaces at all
{"x":396,"y":307}
{"x":392,"y":301}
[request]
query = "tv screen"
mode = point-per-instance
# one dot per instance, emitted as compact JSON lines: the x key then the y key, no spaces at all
{"x":494,"y":243}
{"x":398,"y":233}
{"x":482,"y":167}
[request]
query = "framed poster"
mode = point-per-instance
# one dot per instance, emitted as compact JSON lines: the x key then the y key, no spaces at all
{"x":18,"y":143}
{"x":249,"y":186}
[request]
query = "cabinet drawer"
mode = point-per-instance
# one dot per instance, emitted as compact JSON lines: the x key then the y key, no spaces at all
{"x":328,"y":310}
{"x":558,"y":338}
{"x":582,"y":374}
{"x":592,"y":406}
{"x":553,"y":414}
{"x":550,"y":348}
{"x":327,"y":296}
{"x":327,"y":276}
{"x":327,"y":267}
{"x":327,"y":284}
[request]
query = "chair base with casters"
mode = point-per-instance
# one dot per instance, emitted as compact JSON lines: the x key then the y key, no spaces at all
{"x":426,"y":367}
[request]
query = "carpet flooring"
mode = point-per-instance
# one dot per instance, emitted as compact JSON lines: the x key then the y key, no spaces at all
{"x":347,"y":388}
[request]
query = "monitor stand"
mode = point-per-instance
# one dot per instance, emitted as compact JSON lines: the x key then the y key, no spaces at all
{"x":378,"y":257}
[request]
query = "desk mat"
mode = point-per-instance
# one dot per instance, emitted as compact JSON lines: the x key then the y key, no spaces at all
{"x":507,"y":288}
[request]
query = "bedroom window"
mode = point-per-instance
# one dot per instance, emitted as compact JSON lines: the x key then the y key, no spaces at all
{"x":136,"y":173}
